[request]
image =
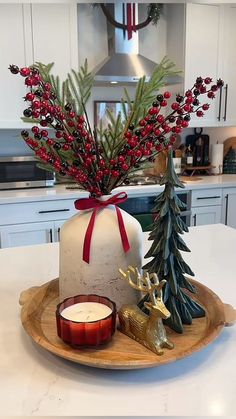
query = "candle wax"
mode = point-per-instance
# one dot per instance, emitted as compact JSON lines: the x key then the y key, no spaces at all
{"x":86,"y":312}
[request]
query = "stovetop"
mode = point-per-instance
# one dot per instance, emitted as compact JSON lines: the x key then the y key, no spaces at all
{"x":132,"y":181}
{"x":143,"y":180}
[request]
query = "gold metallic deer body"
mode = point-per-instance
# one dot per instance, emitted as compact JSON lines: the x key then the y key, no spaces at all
{"x":146,"y":329}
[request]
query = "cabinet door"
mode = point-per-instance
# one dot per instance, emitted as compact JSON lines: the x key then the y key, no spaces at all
{"x":26,"y":234}
{"x":228,"y":113}
{"x":229,"y":207}
{"x":13,"y":50}
{"x":54,"y":36}
{"x":206,"y":215}
{"x":202,"y":52}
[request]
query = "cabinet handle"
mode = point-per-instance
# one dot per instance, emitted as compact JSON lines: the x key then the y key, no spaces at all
{"x":58,"y":233}
{"x":57,"y":210}
{"x":220,"y":100}
{"x":226,"y":100}
{"x":50,"y":235}
{"x":209,"y":197}
{"x":195,"y":220}
{"x":226,"y":208}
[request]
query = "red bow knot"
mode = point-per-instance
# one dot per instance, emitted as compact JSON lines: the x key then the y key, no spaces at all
{"x":89,"y":203}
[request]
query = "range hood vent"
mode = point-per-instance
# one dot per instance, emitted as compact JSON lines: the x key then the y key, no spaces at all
{"x":124,"y":68}
{"x":124,"y":65}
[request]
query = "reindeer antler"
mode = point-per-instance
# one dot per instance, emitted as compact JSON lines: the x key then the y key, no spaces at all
{"x":157,"y":285}
{"x":139,"y":278}
{"x":143,"y":282}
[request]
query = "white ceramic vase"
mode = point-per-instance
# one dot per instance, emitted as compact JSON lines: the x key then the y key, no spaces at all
{"x":101,"y":275}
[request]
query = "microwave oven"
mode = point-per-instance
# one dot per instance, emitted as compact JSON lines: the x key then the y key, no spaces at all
{"x":22,"y":172}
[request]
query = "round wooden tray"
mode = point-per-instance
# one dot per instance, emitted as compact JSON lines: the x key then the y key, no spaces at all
{"x":38,"y":319}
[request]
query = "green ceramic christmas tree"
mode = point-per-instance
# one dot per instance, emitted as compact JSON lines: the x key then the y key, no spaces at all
{"x":167,"y":260}
{"x":230,"y":162}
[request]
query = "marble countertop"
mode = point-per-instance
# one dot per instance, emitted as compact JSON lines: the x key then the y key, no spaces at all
{"x":60,"y":191}
{"x":34,"y":382}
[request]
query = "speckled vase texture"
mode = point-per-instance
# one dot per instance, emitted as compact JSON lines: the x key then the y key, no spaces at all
{"x":101,"y":275}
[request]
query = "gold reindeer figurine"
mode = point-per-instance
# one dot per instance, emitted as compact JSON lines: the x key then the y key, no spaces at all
{"x":146,"y":329}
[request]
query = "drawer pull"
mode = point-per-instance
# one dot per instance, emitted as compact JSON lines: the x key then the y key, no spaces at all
{"x":59,"y":233}
{"x":57,"y":210}
{"x":209,"y":197}
{"x":50,"y":235}
{"x":195,"y":220}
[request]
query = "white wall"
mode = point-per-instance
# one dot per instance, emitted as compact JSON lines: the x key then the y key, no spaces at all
{"x":11,"y":143}
{"x":152,"y":39}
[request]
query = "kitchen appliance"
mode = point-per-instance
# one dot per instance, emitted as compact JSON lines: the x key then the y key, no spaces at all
{"x":22,"y":172}
{"x":143,"y":180}
{"x":199,"y":144}
{"x":132,"y":181}
{"x":125,"y":64}
{"x":141,"y":208}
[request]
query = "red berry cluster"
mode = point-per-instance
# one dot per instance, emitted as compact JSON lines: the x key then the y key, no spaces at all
{"x":152,"y":131}
{"x":76,"y":152}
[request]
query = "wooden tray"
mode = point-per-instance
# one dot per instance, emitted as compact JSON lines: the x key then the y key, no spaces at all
{"x":38,"y":319}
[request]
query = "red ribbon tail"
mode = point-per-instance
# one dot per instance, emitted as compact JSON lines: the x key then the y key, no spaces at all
{"x":88,"y":236}
{"x":134,"y":17}
{"x":129,"y":21}
{"x":123,"y":234}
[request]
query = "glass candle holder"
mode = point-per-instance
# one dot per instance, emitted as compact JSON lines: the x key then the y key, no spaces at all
{"x":86,"y":332}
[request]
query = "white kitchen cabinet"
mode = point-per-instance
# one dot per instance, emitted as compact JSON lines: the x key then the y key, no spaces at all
{"x":27,"y":223}
{"x":229,"y":64}
{"x":229,"y":207}
{"x":30,"y":233}
{"x":202,"y":52}
{"x":205,"y":49}
{"x":13,"y":51}
{"x":206,"y":206}
{"x":206,"y":215}
{"x":54,"y":36}
{"x":29,"y":33}
{"x":206,"y":197}
{"x":26,"y":234}
{"x":28,"y":212}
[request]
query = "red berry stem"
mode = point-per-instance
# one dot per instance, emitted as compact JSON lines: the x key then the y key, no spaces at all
{"x":75,"y":150}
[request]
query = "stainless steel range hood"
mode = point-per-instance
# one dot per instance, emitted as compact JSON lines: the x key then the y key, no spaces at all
{"x":124,"y":64}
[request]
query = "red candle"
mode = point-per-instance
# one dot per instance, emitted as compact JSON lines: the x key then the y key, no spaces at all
{"x":86,"y":320}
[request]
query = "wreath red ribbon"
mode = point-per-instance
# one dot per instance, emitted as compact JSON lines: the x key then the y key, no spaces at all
{"x":89,"y":203}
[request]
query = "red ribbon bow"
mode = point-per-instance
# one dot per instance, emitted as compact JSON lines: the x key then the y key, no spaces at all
{"x":88,"y":203}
